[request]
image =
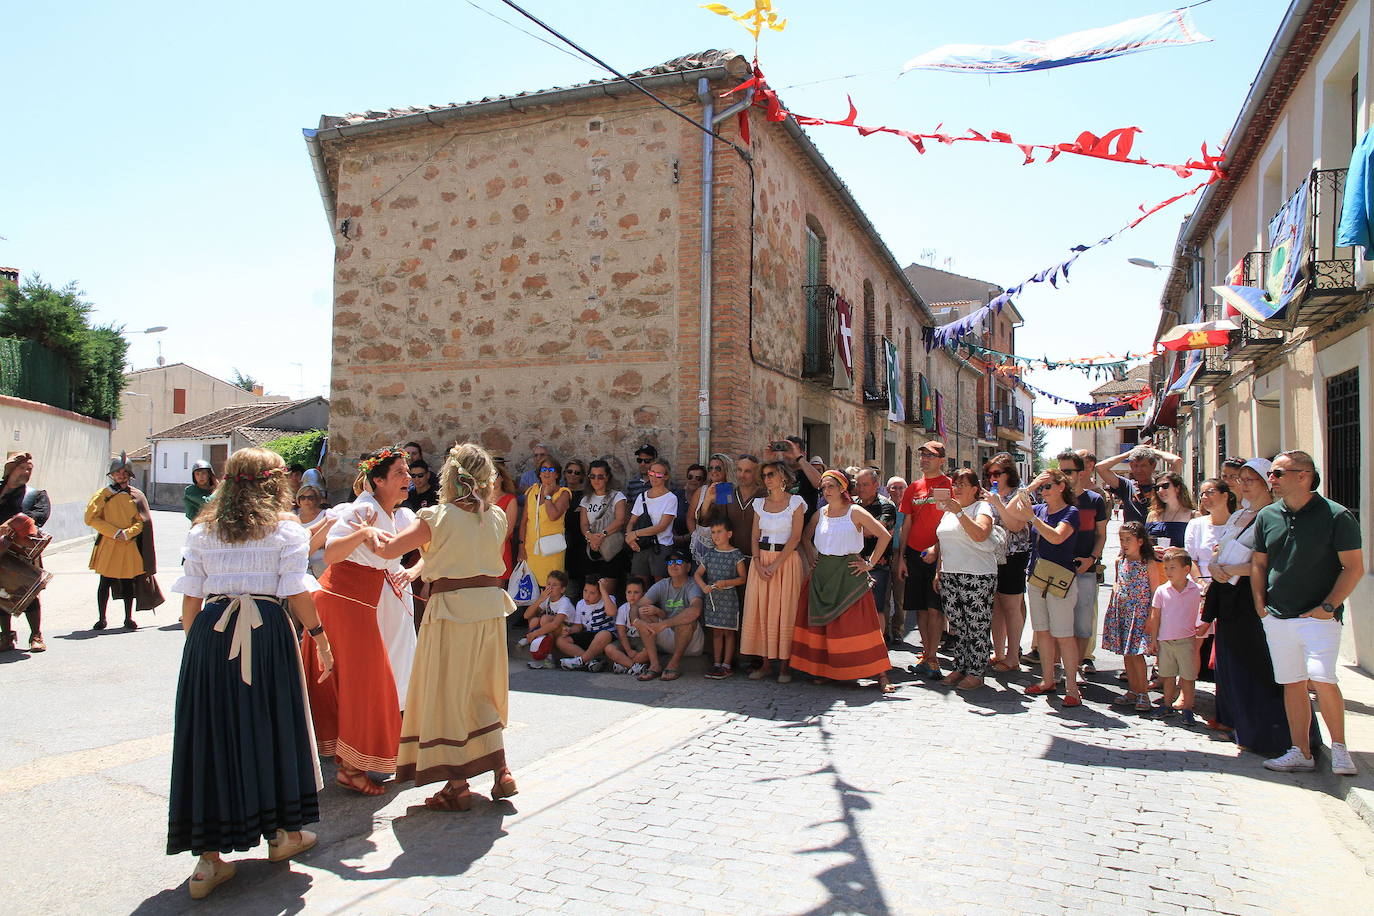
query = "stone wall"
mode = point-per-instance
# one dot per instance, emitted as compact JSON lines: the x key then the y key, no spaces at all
{"x":518,"y":286}
{"x":534,"y":277}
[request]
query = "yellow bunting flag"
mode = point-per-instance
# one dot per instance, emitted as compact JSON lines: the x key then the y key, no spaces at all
{"x":754,"y":20}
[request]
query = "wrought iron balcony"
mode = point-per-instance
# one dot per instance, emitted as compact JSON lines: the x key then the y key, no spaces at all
{"x":875,"y":372}
{"x":1215,"y":363}
{"x":818,"y":359}
{"x":1011,"y":422}
{"x":1253,"y":340}
{"x":1329,"y":270}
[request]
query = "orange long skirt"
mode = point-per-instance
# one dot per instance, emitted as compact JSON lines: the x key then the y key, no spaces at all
{"x":357,"y":718}
{"x":845,"y":649}
{"x":770,"y":607}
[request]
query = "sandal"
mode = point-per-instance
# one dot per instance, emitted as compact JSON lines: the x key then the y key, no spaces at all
{"x":358,"y":781}
{"x":36,"y":643}
{"x":282,"y":848}
{"x":1126,"y":699}
{"x":1005,"y":667}
{"x":785,"y":678}
{"x":757,"y":674}
{"x":972,"y":682}
{"x":447,"y":799}
{"x":1073,"y":700}
{"x":1037,"y":689}
{"x":670,"y":674}
{"x":650,"y":674}
{"x":885,"y":685}
{"x":202,"y":884}
{"x":504,"y":787}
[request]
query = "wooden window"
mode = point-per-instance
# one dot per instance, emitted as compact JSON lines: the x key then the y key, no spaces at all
{"x":178,"y":400}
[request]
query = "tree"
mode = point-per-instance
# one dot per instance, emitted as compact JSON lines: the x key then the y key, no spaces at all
{"x":246,"y":382}
{"x":59,"y":320}
{"x":299,"y":448}
{"x":1040,"y":440}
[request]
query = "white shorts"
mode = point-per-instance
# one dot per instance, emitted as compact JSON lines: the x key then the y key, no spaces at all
{"x":1303,"y":648}
{"x":1048,"y":613}
{"x":667,"y":640}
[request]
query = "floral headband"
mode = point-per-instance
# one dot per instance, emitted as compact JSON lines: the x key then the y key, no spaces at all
{"x":260,"y":476}
{"x":367,"y":464}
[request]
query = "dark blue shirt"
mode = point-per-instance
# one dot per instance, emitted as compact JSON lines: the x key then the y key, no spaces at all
{"x":1062,"y":554}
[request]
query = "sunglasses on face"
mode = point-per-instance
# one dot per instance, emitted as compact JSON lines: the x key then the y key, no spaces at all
{"x":657,"y":474}
{"x":573,"y":473}
{"x":768,"y":474}
{"x":676,"y":562}
{"x":595,"y":476}
{"x":1163,"y":486}
{"x":644,"y":460}
{"x":1277,"y":473}
{"x":548,"y":470}
{"x":697,"y":477}
{"x":418,"y":474}
{"x":997,"y":473}
{"x":717,"y":469}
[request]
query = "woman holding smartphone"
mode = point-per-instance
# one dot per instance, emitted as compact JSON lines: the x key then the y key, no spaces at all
{"x":709,"y":503}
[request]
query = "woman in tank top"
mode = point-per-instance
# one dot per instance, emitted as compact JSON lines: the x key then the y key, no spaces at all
{"x":839,"y":610}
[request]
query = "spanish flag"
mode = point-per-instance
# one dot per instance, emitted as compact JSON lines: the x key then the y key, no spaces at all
{"x":1198,"y":336}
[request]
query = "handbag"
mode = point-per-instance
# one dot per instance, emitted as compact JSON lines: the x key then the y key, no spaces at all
{"x":522,"y":587}
{"x":549,"y":544}
{"x":613,"y":543}
{"x":999,"y":543}
{"x":1050,"y":578}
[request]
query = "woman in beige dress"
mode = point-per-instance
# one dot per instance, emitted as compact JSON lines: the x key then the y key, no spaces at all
{"x":459,"y":692}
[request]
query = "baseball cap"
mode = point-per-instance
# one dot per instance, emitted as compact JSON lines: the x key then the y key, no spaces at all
{"x":647,"y":449}
{"x":933,"y":446}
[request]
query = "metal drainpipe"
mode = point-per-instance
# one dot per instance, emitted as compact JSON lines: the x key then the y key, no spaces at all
{"x":708,"y":168}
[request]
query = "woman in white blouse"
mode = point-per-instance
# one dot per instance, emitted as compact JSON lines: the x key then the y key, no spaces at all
{"x":244,"y":765}
{"x":775,"y":575}
{"x":967,"y":577}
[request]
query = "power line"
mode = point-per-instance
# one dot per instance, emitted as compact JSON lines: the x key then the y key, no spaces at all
{"x":517,"y":28}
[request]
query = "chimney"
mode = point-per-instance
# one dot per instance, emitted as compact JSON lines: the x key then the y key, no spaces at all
{"x":257,"y":389}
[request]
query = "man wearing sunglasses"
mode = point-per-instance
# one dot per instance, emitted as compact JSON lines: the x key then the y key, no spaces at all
{"x":1133,"y":492}
{"x":1308,"y":559}
{"x":645,"y":455}
{"x":1090,"y":540}
{"x":424,"y":487}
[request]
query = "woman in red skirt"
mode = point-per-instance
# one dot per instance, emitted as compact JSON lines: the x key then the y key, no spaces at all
{"x":839,"y":635}
{"x":357,"y":713}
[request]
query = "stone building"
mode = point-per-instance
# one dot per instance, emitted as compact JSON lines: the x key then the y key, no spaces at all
{"x":162,"y":396}
{"x":1302,"y":378}
{"x":541,"y":268}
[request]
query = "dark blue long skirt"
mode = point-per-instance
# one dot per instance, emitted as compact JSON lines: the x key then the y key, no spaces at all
{"x":243,"y":763}
{"x":1248,"y":699}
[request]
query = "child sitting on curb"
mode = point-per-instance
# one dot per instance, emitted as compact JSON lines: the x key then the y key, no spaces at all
{"x":547,"y":617}
{"x":626,"y":651}
{"x":591,"y":631}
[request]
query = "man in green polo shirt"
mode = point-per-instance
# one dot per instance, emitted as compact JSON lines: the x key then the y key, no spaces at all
{"x":1307,"y":562}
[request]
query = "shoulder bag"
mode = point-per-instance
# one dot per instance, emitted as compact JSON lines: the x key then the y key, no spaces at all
{"x":549,"y":544}
{"x":613,"y":542}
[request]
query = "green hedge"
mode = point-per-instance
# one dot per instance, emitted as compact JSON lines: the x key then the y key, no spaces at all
{"x":299,"y":448}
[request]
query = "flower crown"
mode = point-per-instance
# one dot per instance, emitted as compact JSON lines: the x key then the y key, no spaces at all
{"x":261,"y":475}
{"x":371,"y":461}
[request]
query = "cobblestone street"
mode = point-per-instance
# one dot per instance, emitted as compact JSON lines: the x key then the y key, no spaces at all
{"x":695,"y":796}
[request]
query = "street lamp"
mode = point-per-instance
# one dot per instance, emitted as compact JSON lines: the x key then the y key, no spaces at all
{"x":1151,"y":265}
{"x":155,"y":329}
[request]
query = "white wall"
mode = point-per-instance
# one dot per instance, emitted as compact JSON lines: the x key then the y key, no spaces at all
{"x":171,"y":468}
{"x":71,"y":454}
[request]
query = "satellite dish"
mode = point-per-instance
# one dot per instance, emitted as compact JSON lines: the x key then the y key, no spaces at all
{"x":161,"y":361}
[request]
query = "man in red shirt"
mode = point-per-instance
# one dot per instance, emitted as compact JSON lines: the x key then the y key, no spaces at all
{"x":920,"y":557}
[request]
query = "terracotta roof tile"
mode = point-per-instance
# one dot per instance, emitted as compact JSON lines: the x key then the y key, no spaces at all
{"x":684,"y":64}
{"x":223,"y":421}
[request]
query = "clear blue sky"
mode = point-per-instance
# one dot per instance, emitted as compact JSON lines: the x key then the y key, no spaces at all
{"x":153,"y":151}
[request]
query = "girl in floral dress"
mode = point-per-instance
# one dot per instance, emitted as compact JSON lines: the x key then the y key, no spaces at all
{"x":1138,"y":574}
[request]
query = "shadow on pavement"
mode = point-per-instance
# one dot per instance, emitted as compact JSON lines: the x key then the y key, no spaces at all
{"x":259,"y":887}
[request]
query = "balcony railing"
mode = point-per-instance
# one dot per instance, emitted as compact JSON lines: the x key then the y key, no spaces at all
{"x":819,"y":355}
{"x":1215,"y":363}
{"x":875,"y":372}
{"x":1010,"y":421}
{"x":1253,"y":340}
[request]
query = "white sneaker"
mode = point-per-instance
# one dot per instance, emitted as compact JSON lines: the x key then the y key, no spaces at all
{"x":1341,"y":764}
{"x":542,"y":664}
{"x":638,"y":668}
{"x":522,"y":642}
{"x":618,"y":668}
{"x":1291,"y":762}
{"x":574,"y":663}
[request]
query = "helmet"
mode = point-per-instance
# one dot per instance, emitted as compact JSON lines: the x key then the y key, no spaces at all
{"x":202,"y":465}
{"x":121,"y":463}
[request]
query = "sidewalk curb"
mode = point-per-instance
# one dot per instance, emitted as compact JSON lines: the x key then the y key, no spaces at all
{"x":70,"y":544}
{"x":1348,"y":789}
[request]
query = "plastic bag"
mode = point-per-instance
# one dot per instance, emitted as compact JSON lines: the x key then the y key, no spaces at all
{"x":522,"y":588}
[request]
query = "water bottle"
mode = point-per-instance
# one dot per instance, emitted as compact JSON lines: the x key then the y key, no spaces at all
{"x":994,"y":484}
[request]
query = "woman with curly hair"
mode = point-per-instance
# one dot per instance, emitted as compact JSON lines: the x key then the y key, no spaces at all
{"x":244,"y":765}
{"x":358,"y":711}
{"x":459,"y":689}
